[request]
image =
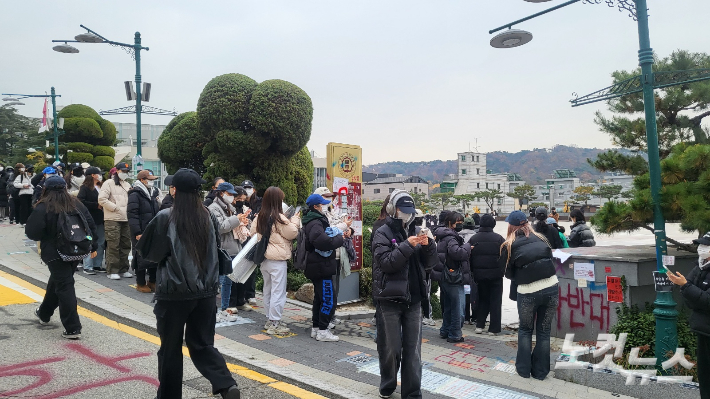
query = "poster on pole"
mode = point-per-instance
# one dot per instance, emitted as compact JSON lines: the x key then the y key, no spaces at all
{"x":344,"y":178}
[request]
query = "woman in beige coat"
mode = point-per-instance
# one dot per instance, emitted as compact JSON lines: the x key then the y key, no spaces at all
{"x":273,"y":268}
{"x":113,"y":198}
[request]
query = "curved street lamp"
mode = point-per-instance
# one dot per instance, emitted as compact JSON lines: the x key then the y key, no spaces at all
{"x":665,"y":312}
{"x":133,"y":49}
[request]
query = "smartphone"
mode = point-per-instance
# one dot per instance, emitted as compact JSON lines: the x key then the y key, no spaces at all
{"x":423,"y":231}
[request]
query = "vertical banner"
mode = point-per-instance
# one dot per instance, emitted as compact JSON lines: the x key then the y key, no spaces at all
{"x":344,"y":177}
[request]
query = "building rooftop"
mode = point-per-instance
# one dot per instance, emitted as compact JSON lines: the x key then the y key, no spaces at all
{"x":397,"y":179}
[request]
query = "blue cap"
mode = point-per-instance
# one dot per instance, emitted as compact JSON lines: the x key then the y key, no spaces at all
{"x":49,"y":171}
{"x":516,"y":218}
{"x":550,"y":221}
{"x":228,"y":187}
{"x":316,"y":199}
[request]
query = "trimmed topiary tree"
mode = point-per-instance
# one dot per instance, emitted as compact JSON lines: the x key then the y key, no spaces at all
{"x":87,"y":135}
{"x":103,"y":162}
{"x":79,"y":157}
{"x":180,"y":145}
{"x":103,"y":150}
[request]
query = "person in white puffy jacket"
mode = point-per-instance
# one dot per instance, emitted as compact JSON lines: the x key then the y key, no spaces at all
{"x":26,"y":189}
{"x":113,"y":198}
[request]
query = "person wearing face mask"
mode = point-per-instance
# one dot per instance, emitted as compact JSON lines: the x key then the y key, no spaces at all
{"x":75,"y":178}
{"x":253,"y":201}
{"x":12,"y":193}
{"x":322,"y":242}
{"x":113,"y":198}
{"x":228,"y":221}
{"x":400,"y":260}
{"x":213,"y":192}
{"x":452,"y":272}
{"x":696,"y":292}
{"x":89,"y":196}
{"x":142,"y":207}
{"x":24,"y":196}
{"x":4,"y":197}
{"x":240,"y":299}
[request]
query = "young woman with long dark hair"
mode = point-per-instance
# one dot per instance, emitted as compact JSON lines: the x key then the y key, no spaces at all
{"x":183,"y":242}
{"x":89,"y":196}
{"x":526,"y":257}
{"x":42,"y":226}
{"x":281,"y":231}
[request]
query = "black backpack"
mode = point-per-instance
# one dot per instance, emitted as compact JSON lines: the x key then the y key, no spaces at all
{"x":299,"y":254}
{"x":10,"y":187}
{"x":73,"y":236}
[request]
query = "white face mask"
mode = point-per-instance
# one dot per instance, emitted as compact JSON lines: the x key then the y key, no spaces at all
{"x":149,"y":184}
{"x":249,"y":191}
{"x":22,"y":170}
{"x":404,"y":217}
{"x":228,"y":198}
{"x":122,"y":175}
{"x":1,"y":168}
{"x":703,"y":255}
{"x":99,"y":178}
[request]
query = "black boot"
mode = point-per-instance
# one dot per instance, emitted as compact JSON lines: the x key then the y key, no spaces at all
{"x":231,"y":393}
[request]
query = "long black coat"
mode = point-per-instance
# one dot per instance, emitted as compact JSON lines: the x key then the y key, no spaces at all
{"x":3,"y":189}
{"x":485,"y":253}
{"x":318,"y":266}
{"x":697,"y":297}
{"x":90,"y":199}
{"x":141,"y":209}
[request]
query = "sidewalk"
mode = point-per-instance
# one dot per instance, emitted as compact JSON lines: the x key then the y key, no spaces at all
{"x":480,"y":367}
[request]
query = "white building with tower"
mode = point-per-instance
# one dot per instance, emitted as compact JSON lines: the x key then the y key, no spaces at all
{"x":473,"y":176}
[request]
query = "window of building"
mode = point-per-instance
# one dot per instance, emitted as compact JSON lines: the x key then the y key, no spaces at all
{"x":478,"y":185}
{"x":463,"y":171}
{"x":463,"y":158}
{"x":498,"y":186}
{"x":376,"y":191}
{"x":500,"y":201}
{"x":486,"y":185}
{"x":477,"y":158}
{"x":391,"y":190}
{"x":478,"y":171}
{"x":416,"y":189}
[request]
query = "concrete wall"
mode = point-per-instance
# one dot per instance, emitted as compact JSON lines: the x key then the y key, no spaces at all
{"x":385,"y":189}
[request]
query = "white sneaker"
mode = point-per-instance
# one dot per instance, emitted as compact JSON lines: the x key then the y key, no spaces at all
{"x":428,"y":322}
{"x":326,"y":336}
{"x":233,"y":310}
{"x":127,"y":275}
{"x":224,"y":316}
{"x":277,"y":328}
{"x":336,"y":321}
{"x":245,"y":308}
{"x":479,"y":331}
{"x":252,"y":301}
{"x":314,"y":332}
{"x":114,"y":277}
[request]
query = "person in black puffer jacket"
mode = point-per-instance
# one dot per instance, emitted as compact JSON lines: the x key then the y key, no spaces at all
{"x":4,"y":196}
{"x":142,"y":207}
{"x":399,"y":263}
{"x":526,"y":258}
{"x":696,"y":292}
{"x":485,"y":255}
{"x":182,"y":240}
{"x":580,"y":235}
{"x":321,"y":265}
{"x":42,"y":226}
{"x":89,"y":196}
{"x":551,"y":234}
{"x":454,"y":255}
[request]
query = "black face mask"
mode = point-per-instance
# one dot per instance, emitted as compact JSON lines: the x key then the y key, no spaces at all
{"x":239,"y":205}
{"x":458,"y":227}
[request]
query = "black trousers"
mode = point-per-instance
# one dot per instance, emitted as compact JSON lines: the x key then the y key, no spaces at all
{"x":323,"y":303}
{"x":14,"y":208}
{"x":141,"y":273}
{"x":250,"y":289}
{"x":24,"y":208}
{"x":240,"y":292}
{"x":197,"y":318}
{"x":490,"y":301}
{"x":471,"y":305}
{"x":703,"y":356}
{"x":60,"y":294}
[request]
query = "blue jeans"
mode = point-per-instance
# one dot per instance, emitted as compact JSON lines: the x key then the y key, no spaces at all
{"x":536,"y":311}
{"x":226,"y":291}
{"x":399,"y":346}
{"x":99,"y":259}
{"x":453,"y":299}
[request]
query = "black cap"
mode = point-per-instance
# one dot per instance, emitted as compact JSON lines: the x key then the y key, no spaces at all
{"x":122,"y":166}
{"x":55,"y":183}
{"x":187,"y":180}
{"x":406,"y":205}
{"x":75,"y":165}
{"x":247,"y":183}
{"x":92,"y":170}
{"x":704,"y":240}
{"x":168,"y":180}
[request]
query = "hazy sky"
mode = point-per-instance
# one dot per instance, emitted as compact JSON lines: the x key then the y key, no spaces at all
{"x":407,"y":80}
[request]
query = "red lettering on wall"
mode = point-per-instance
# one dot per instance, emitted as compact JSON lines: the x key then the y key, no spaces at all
{"x":584,"y":307}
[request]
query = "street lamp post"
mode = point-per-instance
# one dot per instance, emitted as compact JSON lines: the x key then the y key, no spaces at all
{"x":665,"y":311}
{"x":134,"y":50}
{"x":53,"y":96}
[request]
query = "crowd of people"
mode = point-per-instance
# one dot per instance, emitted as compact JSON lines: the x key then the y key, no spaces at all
{"x":176,"y":243}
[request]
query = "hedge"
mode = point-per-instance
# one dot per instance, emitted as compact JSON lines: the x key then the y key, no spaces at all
{"x":103,"y":162}
{"x":81,"y":129}
{"x":109,"y":137}
{"x":103,"y":150}
{"x":79,"y":157}
{"x":79,"y":111}
{"x":80,"y":147}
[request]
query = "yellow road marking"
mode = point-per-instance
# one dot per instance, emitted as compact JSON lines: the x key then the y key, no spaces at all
{"x":9,"y":296}
{"x":243,"y":371}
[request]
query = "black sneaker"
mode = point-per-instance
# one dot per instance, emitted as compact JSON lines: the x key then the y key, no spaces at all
{"x":41,"y":322}
{"x":71,"y":335}
{"x":90,"y":272}
{"x":231,"y":393}
{"x":455,"y":340}
{"x":100,"y":270}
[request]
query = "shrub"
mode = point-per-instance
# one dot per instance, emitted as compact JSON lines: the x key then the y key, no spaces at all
{"x":295,"y":279}
{"x":103,"y":151}
{"x":366,"y":283}
{"x":79,"y":111}
{"x":435,"y":301}
{"x":103,"y":162}
{"x":109,"y":130}
{"x":80,"y":147}
{"x":370,"y":213}
{"x":79,"y":157}
{"x":81,"y":129}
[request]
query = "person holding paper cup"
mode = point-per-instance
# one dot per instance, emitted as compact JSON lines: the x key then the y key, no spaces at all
{"x":695,"y":291}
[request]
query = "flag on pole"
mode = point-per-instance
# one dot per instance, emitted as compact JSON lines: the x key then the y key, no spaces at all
{"x":44,"y":127}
